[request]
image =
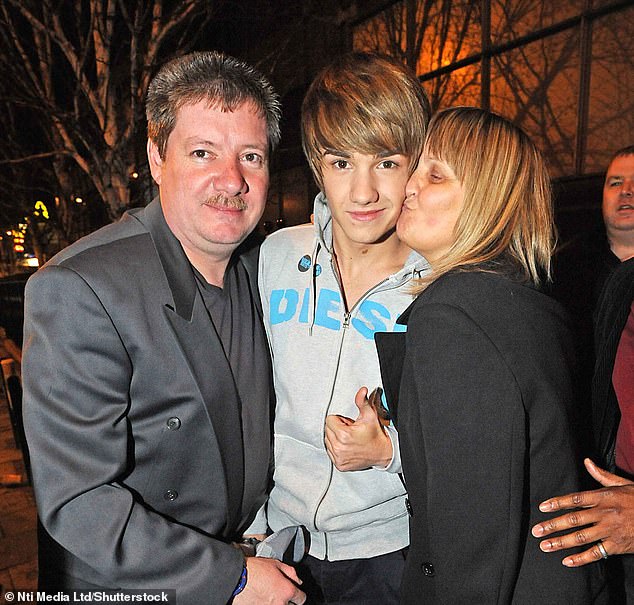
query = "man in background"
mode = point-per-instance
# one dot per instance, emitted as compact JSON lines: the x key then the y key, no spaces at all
{"x":606,"y":519}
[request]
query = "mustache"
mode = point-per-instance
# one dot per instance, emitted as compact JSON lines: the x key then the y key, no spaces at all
{"x":223,"y":201}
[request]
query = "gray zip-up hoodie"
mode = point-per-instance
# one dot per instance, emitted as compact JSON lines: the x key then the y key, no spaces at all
{"x":321,"y":357}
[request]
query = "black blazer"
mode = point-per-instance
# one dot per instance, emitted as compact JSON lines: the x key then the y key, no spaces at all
{"x":133,"y":419}
{"x":483,"y":419}
{"x":613,"y":309}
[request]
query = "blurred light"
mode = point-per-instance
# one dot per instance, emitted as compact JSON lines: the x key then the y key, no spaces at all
{"x":135,"y":175}
{"x":78,"y":200}
{"x":18,"y":248}
{"x":39,"y":205}
{"x":31,"y":262}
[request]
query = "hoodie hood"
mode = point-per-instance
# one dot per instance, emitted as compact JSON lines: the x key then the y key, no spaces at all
{"x":323,"y":222}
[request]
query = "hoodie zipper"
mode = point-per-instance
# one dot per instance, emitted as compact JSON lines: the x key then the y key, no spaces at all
{"x":346,"y":323}
{"x":344,"y":328}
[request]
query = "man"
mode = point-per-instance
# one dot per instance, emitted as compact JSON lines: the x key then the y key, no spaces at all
{"x":326,"y":290}
{"x":146,"y":373}
{"x":606,"y":521}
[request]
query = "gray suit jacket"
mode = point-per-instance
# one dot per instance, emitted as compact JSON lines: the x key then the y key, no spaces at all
{"x":133,"y":419}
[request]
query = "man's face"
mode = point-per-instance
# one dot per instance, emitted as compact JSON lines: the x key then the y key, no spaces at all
{"x":618,"y":195}
{"x":365,"y":194}
{"x":214,"y":177}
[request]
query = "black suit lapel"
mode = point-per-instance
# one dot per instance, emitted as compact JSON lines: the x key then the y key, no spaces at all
{"x":610,"y":317}
{"x":390,"y":347}
{"x":203,"y":351}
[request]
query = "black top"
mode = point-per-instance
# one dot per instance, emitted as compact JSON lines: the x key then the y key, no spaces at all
{"x":483,"y":418}
{"x":241,"y":333}
{"x":611,"y":315}
{"x":581,"y":268}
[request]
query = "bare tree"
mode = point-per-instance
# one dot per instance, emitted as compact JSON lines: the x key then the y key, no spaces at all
{"x":427,"y":35}
{"x":79,"y":69}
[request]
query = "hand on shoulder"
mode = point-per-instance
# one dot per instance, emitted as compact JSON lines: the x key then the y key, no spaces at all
{"x":603,"y":516}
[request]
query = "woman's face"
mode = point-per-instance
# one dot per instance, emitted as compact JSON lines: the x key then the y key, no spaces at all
{"x":434,"y":198}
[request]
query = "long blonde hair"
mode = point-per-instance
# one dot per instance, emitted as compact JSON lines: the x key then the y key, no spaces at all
{"x":507,"y":209}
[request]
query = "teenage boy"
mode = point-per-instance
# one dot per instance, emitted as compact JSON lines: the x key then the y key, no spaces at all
{"x":326,"y":289}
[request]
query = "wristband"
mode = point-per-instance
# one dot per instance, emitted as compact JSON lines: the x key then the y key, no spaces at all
{"x":242,"y":583}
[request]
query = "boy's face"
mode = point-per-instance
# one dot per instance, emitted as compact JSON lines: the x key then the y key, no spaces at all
{"x":365,"y":194}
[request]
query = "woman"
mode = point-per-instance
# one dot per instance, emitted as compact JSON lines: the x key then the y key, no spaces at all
{"x":485,"y":395}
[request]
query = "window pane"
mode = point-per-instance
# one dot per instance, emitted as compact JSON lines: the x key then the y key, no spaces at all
{"x":511,"y":19}
{"x":536,"y":87}
{"x":602,"y":3}
{"x":611,"y":114}
{"x":460,"y":87}
{"x":428,"y":33}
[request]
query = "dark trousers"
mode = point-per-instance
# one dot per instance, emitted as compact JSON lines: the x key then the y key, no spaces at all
{"x":354,"y":581}
{"x":621,"y":579}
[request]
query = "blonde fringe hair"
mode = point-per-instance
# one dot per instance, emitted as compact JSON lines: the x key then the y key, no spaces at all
{"x":507,"y":209}
{"x":365,"y":103}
